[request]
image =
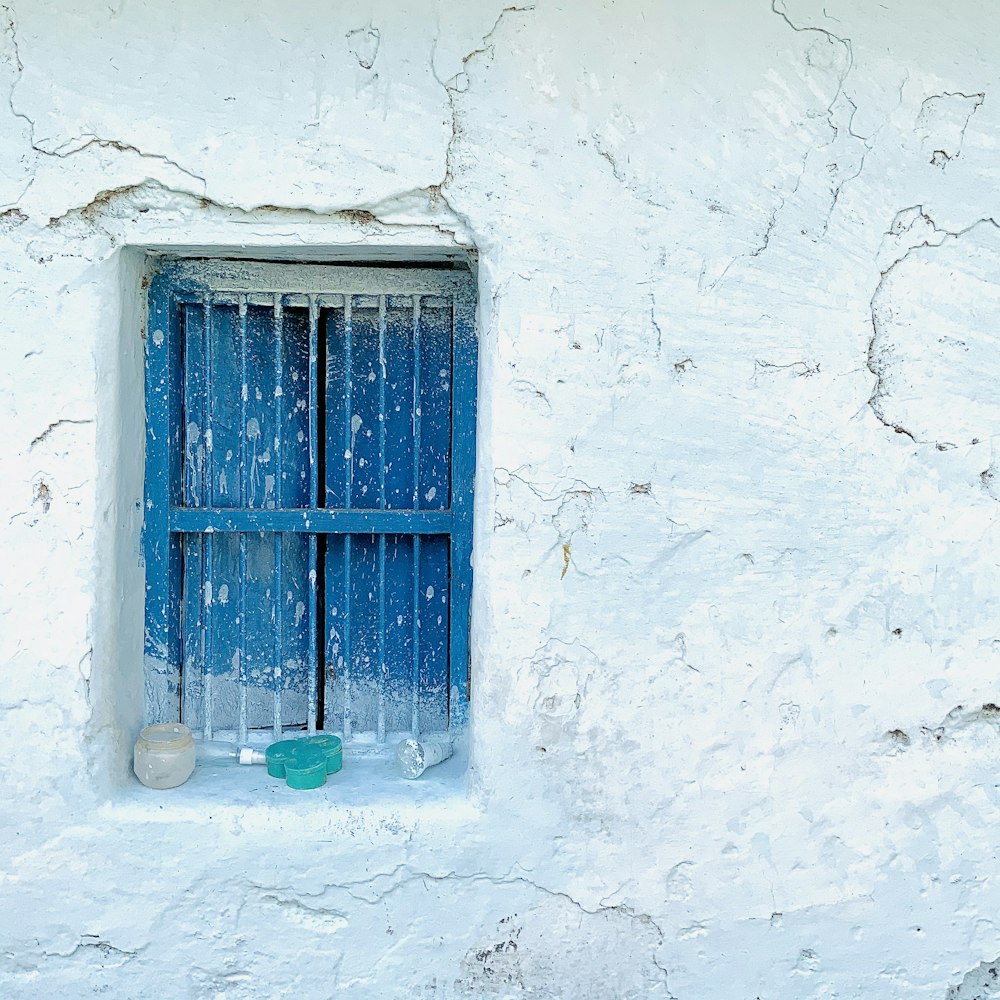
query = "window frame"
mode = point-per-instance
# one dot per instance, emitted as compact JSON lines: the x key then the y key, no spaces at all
{"x":166,"y":519}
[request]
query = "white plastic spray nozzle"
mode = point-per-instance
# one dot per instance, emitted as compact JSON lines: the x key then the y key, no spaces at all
{"x":216,"y":752}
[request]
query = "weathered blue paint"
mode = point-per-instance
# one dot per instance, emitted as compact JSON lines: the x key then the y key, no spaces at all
{"x":310,"y":457}
{"x":312,"y":564}
{"x":334,"y":522}
{"x":388,"y":474}
{"x":161,"y":548}
{"x":463,"y":464}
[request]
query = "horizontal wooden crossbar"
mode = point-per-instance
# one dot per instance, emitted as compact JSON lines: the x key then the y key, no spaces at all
{"x":190,"y":520}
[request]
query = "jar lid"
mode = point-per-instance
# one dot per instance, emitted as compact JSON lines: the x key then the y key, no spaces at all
{"x":167,"y":735}
{"x":301,"y":765}
{"x":332,"y":747}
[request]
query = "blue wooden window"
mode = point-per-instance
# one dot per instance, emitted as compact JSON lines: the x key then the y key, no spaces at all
{"x":310,"y":454}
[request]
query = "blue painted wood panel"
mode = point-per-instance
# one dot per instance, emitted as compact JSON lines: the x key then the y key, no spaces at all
{"x":388,"y":405}
{"x":162,"y":554}
{"x":246,"y":632}
{"x":309,"y":480}
{"x":387,"y":633}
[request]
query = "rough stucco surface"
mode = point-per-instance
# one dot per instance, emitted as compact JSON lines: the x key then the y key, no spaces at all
{"x":736,"y":634}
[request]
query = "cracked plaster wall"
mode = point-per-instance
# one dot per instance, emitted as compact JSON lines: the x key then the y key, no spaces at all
{"x":737,"y":615}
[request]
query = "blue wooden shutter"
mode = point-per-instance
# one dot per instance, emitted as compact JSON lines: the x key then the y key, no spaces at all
{"x":310,"y":458}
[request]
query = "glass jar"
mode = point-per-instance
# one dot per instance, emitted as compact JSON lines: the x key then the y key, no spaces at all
{"x":164,"y":755}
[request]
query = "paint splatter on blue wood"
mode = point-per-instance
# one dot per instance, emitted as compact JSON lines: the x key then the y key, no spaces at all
{"x":231,"y":429}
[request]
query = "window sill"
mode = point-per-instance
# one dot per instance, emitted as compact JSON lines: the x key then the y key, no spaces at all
{"x":368,"y":794}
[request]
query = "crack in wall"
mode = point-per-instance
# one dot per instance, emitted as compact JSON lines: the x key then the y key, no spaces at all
{"x":804,"y":368}
{"x":11,"y":27}
{"x":607,"y":155}
{"x":459,"y":84}
{"x":84,"y":141}
{"x":845,"y":43}
{"x":376,"y":889}
{"x":94,"y":942}
{"x":141,"y":197}
{"x":656,"y":325}
{"x":619,"y":174}
{"x":867,"y":142}
{"x":54,"y":427}
{"x":364,"y":44}
{"x":772,"y":222}
{"x":79,"y":143}
{"x":942,"y":157}
{"x":873,"y":361}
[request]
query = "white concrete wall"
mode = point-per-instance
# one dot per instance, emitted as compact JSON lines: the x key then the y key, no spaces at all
{"x":737,"y":610}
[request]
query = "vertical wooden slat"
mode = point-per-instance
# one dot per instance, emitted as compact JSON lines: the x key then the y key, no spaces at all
{"x":399,"y":407}
{"x":348,"y":400}
{"x":279,"y":570}
{"x":436,"y":388}
{"x":161,"y":550}
{"x":381,"y":416}
{"x":192,"y":632}
{"x":433,"y":602}
{"x":207,"y":562}
{"x":315,"y":638}
{"x":415,"y":645}
{"x":434,"y":622}
{"x":196,"y":405}
{"x":208,"y":349}
{"x":315,"y":431}
{"x":382,"y":676}
{"x":417,"y":414}
{"x":279,"y":598}
{"x":345,"y":641}
{"x":417,"y":411}
{"x":301,"y":486}
{"x":332,"y":486}
{"x":366,"y":386}
{"x":348,"y":404}
{"x":243,"y":660}
{"x":208,"y":655}
{"x":463,"y":468}
{"x":193,"y":400}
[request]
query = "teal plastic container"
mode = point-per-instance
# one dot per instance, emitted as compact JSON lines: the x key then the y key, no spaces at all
{"x":306,"y":762}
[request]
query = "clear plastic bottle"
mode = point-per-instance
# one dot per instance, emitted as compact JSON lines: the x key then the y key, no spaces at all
{"x":220,"y":752}
{"x":415,"y":756}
